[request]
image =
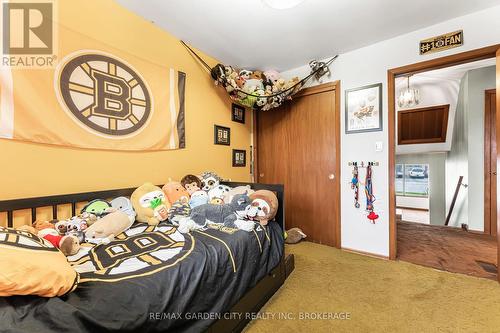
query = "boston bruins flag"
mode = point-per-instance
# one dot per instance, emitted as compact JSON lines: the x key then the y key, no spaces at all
{"x":94,"y":97}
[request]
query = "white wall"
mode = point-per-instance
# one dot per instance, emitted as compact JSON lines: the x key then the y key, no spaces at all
{"x":369,"y":65}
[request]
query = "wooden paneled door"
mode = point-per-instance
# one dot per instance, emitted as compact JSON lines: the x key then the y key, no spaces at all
{"x":490,"y":164}
{"x":298,"y":145}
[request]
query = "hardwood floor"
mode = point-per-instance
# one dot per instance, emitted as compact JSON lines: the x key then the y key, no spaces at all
{"x":446,"y":248}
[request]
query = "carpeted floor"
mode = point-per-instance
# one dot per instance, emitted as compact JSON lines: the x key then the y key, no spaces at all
{"x":378,"y":295}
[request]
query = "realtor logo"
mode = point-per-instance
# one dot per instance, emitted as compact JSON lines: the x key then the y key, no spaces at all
{"x":28,"y":34}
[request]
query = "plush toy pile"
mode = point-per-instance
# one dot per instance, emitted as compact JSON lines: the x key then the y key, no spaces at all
{"x":256,"y":89}
{"x":195,"y":202}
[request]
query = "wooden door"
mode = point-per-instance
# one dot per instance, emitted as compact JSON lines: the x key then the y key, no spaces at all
{"x":490,"y":160}
{"x":298,"y":145}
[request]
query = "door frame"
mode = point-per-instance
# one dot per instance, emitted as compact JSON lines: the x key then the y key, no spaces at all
{"x":437,"y":63}
{"x":335,"y":85}
{"x":487,"y":160}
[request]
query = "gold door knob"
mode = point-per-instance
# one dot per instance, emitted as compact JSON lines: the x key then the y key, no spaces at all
{"x":331,"y":176}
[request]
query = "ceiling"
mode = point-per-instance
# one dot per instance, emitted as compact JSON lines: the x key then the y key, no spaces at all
{"x":247,"y":33}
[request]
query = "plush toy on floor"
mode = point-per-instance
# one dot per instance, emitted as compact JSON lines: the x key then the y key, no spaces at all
{"x":263,"y":208}
{"x":143,"y":198}
{"x":230,"y":215}
{"x":294,"y":236}
{"x":191,"y":183}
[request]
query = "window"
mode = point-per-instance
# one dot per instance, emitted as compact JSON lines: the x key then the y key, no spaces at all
{"x":412,"y":180}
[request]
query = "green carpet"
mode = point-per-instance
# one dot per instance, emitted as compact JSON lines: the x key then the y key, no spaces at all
{"x":379,"y":295}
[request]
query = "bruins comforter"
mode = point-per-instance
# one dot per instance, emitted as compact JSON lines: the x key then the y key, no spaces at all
{"x":153,"y":279}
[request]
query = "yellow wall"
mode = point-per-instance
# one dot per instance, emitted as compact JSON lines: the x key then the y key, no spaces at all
{"x":29,"y":170}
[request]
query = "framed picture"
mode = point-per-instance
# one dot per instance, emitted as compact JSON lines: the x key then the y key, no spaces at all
{"x":239,"y":158}
{"x":222,"y":135}
{"x":363,"y":109}
{"x":238,"y":113}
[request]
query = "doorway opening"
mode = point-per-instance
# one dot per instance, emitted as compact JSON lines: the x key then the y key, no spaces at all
{"x":442,"y":133}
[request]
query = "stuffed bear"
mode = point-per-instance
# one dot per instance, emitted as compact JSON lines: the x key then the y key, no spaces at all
{"x":40,"y":225}
{"x":263,"y":208}
{"x":229,"y":215}
{"x":209,"y":180}
{"x":106,"y":228}
{"x":148,"y":201}
{"x":174,"y":192}
{"x":191,"y":183}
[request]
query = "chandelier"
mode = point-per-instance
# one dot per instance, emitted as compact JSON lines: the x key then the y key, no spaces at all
{"x":408,"y":97}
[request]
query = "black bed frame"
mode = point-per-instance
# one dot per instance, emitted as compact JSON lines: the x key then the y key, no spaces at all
{"x":248,"y":305}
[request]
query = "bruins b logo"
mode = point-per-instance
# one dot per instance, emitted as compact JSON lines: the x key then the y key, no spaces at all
{"x":104,"y":94}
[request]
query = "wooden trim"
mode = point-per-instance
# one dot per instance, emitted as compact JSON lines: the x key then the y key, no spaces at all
{"x":444,"y":127}
{"x":392,"y":164}
{"x":338,"y":225}
{"x":318,"y":89}
{"x":451,"y":60}
{"x":255,"y":143}
{"x":487,"y":160}
{"x":498,"y":160}
{"x":363,"y":253}
{"x":437,"y":63}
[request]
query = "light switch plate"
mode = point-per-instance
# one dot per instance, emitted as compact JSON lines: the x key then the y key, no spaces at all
{"x":379,"y":146}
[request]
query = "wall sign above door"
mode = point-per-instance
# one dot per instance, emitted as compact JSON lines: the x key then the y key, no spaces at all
{"x":442,"y":42}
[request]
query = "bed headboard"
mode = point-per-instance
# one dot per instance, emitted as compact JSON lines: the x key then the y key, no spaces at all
{"x":10,"y":206}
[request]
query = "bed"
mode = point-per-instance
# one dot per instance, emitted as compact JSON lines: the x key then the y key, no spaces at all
{"x":154,"y":279}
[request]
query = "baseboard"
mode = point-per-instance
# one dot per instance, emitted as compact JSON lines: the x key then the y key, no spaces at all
{"x":368,"y":254}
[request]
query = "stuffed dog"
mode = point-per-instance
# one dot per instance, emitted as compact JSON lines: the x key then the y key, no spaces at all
{"x":263,"y":208}
{"x":106,"y":228}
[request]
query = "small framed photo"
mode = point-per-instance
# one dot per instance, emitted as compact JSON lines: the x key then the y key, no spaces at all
{"x":239,"y":158}
{"x":363,"y":109}
{"x":238,"y":113}
{"x":222,"y":135}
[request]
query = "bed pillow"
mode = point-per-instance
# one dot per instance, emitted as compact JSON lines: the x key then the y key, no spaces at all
{"x":29,"y":265}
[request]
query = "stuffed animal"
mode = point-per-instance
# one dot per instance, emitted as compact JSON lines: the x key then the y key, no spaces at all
{"x":218,"y":192}
{"x":28,"y":228}
{"x":125,"y":205}
{"x":294,"y":235}
{"x":191,"y":183}
{"x":68,"y":244}
{"x":264,"y":206}
{"x":179,"y":210}
{"x":198,"y":198}
{"x":146,"y":196}
{"x":271,"y":76}
{"x":228,"y":196}
{"x":209,"y":180}
{"x":174,"y":192}
{"x":229,"y":215}
{"x":107,"y":227}
{"x":97,"y":207}
{"x":257,"y":75}
{"x":245,"y":74}
{"x":40,"y":225}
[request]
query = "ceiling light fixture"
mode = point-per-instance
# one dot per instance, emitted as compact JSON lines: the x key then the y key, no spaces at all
{"x":408,"y":97}
{"x":282,"y":4}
